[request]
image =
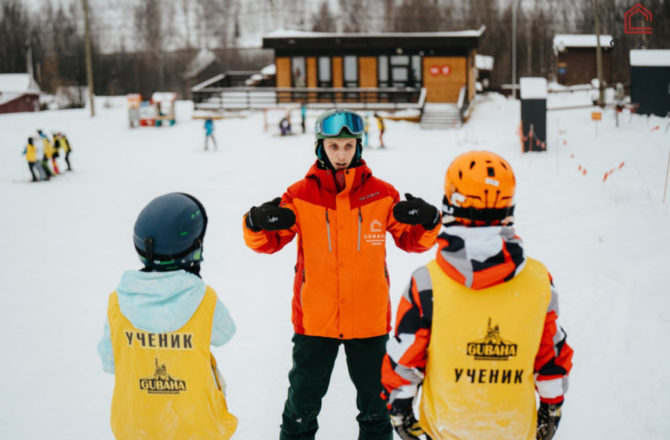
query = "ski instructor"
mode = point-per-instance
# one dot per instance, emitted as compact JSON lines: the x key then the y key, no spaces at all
{"x":341,"y":214}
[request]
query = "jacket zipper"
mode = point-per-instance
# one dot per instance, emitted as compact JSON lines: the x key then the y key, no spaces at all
{"x":360,"y":220}
{"x":330,"y":248}
{"x":302,"y":286}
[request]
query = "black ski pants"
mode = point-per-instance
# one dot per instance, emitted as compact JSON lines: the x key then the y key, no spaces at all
{"x":313,"y":361}
{"x":34,"y":171}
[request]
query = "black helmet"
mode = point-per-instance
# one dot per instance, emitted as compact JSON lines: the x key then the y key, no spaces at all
{"x":169,"y":232}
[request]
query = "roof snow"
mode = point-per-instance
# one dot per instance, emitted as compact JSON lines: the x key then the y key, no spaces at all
{"x":562,"y":41}
{"x":484,"y":62}
{"x":18,"y":83}
{"x":204,"y":58}
{"x":289,"y":33}
{"x":269,"y":70}
{"x":533,"y":88}
{"x":650,"y":57}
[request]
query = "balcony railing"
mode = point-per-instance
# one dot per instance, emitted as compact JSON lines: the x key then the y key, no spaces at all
{"x":242,"y":98}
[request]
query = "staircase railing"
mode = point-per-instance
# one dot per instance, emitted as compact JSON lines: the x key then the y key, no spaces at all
{"x":241,"y":98}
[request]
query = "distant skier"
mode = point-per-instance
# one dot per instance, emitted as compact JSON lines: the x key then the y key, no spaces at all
{"x":285,"y":125}
{"x":366,"y":131}
{"x":209,"y":133}
{"x":382,"y":127}
{"x":57,"y":145}
{"x":477,"y":327}
{"x":303,"y":117}
{"x":161,"y":321}
{"x":47,"y":153}
{"x":341,"y":214}
{"x":65,"y":142}
{"x":43,"y":162}
{"x":30,"y":151}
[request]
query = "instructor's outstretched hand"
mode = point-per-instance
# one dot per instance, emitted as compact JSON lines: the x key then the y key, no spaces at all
{"x":270,"y":217}
{"x":415,"y":211}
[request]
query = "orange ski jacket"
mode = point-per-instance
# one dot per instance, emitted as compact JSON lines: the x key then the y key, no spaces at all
{"x":341,"y":285}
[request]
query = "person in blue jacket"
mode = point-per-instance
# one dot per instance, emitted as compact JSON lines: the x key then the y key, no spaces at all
{"x":209,"y":133}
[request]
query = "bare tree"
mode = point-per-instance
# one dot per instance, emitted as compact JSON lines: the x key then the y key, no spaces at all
{"x":15,"y":32}
{"x":419,"y":16}
{"x":353,"y":15}
{"x":323,"y":20}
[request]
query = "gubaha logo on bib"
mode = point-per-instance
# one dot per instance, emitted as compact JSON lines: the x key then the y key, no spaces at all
{"x":492,"y":347}
{"x":162,"y":382}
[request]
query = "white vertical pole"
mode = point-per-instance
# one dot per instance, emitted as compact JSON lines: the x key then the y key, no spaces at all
{"x":514,"y":49}
{"x":667,"y":171}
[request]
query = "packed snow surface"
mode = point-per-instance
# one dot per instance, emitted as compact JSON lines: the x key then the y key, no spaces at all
{"x":66,"y":242}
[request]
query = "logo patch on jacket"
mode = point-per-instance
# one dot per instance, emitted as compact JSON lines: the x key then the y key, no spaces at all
{"x":492,"y":347}
{"x":162,"y":382}
{"x":377,"y":235}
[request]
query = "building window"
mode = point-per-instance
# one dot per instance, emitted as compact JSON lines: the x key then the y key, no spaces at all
{"x":325,"y":73}
{"x":405,"y":71}
{"x":350,"y":71}
{"x":383,"y":70}
{"x":400,"y":76}
{"x":298,"y":76}
{"x":399,"y":70}
{"x":416,"y":71}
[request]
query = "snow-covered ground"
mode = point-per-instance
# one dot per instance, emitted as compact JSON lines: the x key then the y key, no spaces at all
{"x":66,"y":242}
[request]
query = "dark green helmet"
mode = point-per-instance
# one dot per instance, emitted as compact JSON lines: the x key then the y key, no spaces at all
{"x":169,"y":233}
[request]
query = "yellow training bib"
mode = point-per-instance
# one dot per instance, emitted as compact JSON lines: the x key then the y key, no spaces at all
{"x":479,"y":375}
{"x":166,"y":386}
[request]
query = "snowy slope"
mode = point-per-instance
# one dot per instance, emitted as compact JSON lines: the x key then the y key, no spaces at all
{"x":66,"y":242}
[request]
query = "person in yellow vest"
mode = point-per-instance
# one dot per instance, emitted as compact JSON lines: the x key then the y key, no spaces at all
{"x":55,"y":152}
{"x":65,"y":144}
{"x":382,"y":128}
{"x":477,"y":327}
{"x":30,"y":151}
{"x":47,"y":151}
{"x":160,"y":324}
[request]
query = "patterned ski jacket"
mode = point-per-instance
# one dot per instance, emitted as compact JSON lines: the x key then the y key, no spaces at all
{"x":478,"y":328}
{"x":341,"y":285}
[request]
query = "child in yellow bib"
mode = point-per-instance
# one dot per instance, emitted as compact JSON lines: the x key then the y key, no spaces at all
{"x":160,"y":324}
{"x":477,"y":328}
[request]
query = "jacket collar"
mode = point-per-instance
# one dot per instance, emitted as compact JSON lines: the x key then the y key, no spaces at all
{"x":326,"y":177}
{"x":480,"y":257}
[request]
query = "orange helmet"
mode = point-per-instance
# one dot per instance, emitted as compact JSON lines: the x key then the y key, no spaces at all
{"x":479,"y":189}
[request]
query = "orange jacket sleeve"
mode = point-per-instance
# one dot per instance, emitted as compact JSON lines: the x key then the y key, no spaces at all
{"x":269,"y":242}
{"x":410,"y":238}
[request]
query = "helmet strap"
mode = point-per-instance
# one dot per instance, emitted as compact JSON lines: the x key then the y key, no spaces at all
{"x":149,"y":248}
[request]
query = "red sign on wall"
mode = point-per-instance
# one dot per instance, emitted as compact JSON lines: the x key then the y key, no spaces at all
{"x":437,"y":70}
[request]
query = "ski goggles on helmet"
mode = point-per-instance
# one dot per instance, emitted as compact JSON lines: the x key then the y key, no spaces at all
{"x":335,"y":124}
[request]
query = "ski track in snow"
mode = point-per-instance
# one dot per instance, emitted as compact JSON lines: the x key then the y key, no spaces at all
{"x":66,"y":242}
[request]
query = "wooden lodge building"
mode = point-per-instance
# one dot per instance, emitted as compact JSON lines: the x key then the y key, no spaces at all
{"x":441,"y":62}
{"x":576,"y":58}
